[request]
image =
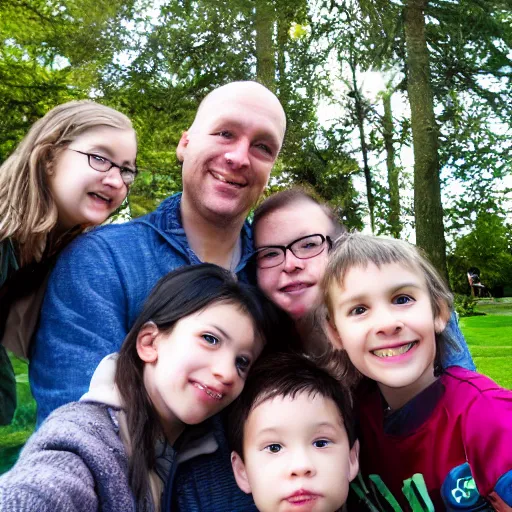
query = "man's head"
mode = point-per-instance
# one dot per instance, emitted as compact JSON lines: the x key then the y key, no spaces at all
{"x":228,"y":152}
{"x":293,"y":437}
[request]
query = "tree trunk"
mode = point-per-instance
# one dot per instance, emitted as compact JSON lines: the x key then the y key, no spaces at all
{"x":428,"y":210}
{"x":393,"y":172}
{"x":265,"y":58}
{"x":360,"y":115}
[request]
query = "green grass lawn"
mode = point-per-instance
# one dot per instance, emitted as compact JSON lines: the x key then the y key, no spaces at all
{"x":489,"y":338}
{"x":14,"y":436}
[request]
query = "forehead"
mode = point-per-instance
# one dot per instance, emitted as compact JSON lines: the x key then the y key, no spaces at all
{"x":237,"y":323}
{"x":301,"y":414}
{"x":370,"y":278}
{"x":256,"y":109}
{"x":119,"y":143}
{"x":290,"y":222}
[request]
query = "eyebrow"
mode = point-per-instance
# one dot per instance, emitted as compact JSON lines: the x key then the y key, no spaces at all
{"x":362,"y":296}
{"x":321,"y":424}
{"x":108,"y":151}
{"x":266,"y":136}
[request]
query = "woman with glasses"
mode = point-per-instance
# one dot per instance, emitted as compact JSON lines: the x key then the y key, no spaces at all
{"x":293,"y":233}
{"x":71,"y":171}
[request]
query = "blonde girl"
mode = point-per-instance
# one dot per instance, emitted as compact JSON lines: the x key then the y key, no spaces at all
{"x":71,"y":171}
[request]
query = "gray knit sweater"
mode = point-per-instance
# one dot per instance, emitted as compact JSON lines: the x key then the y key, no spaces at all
{"x":75,"y":462}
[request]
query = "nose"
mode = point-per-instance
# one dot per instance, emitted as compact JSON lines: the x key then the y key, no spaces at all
{"x":224,"y":369}
{"x":301,"y":464}
{"x":387,"y":322}
{"x":113,"y":178}
{"x":238,"y":155}
{"x":291,"y":262}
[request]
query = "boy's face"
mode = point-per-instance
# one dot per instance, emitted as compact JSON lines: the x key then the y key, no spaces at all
{"x":383,"y":318}
{"x":296,"y":455}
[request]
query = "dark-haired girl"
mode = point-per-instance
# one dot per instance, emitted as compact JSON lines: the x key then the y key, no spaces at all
{"x":184,"y":360}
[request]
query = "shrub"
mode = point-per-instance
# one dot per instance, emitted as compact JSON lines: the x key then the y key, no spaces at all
{"x":465,"y":305}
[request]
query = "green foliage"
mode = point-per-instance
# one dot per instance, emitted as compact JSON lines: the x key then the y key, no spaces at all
{"x":486,"y":247}
{"x":14,"y":436}
{"x":52,"y":52}
{"x":464,"y":305}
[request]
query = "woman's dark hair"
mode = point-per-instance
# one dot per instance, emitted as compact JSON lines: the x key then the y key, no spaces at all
{"x":178,"y":294}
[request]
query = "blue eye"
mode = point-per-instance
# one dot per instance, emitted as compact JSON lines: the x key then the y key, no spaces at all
{"x":403,"y":299}
{"x":273,"y":448}
{"x":210,"y":339}
{"x":225,"y":134}
{"x":321,"y":443}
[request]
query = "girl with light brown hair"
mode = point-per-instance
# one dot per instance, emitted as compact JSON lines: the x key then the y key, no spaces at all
{"x":71,"y":171}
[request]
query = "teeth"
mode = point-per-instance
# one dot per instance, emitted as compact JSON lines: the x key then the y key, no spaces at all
{"x":101,"y":197}
{"x":390,"y":352}
{"x":209,"y":392}
{"x":224,"y":180}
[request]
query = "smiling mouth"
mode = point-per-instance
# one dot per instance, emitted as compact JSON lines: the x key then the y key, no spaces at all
{"x":208,"y":391}
{"x":99,"y":196}
{"x":395,"y":351}
{"x":224,"y":180}
{"x":295,"y":287}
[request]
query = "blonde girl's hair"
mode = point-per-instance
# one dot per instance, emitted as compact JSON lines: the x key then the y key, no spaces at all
{"x":356,"y":250}
{"x":27,"y":210}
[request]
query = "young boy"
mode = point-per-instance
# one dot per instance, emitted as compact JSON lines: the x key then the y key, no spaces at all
{"x":432,"y":438}
{"x":293,"y":437}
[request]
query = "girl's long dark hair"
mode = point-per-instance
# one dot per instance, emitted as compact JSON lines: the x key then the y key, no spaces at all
{"x":175,"y":296}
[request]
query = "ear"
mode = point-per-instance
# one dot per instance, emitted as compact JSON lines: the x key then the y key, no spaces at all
{"x":443,"y":318}
{"x":146,"y":346}
{"x":240,"y":474}
{"x":353,"y":461}
{"x":182,"y":146}
{"x":332,"y":334}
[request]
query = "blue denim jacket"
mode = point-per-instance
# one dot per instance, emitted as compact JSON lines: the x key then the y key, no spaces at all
{"x":459,"y":355}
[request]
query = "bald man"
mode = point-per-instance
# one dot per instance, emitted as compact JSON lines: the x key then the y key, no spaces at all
{"x":102,"y":279}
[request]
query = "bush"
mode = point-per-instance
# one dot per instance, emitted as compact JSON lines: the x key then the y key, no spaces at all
{"x":465,"y":305}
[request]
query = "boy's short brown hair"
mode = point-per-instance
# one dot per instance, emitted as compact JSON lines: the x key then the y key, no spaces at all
{"x":287,"y":375}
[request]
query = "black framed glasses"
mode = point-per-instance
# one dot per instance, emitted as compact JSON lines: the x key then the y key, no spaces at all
{"x":102,"y":164}
{"x":303,"y":248}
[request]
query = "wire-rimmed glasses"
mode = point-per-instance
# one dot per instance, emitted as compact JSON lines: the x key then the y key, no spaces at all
{"x":103,"y":164}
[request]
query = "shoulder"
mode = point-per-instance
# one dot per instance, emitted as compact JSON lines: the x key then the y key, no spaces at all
{"x":128,"y":237}
{"x":84,"y":424}
{"x":477,"y":398}
{"x":74,"y":457}
{"x":469,"y":382}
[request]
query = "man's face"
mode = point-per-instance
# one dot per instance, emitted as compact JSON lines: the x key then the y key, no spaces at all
{"x":229,"y":151}
{"x":296,"y":455}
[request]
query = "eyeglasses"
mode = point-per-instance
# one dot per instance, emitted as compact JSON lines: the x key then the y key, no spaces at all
{"x":102,"y":164}
{"x":302,"y":248}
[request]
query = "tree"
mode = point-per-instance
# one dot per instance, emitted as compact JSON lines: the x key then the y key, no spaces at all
{"x":427,"y":197}
{"x":52,"y":52}
{"x":486,"y":247}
